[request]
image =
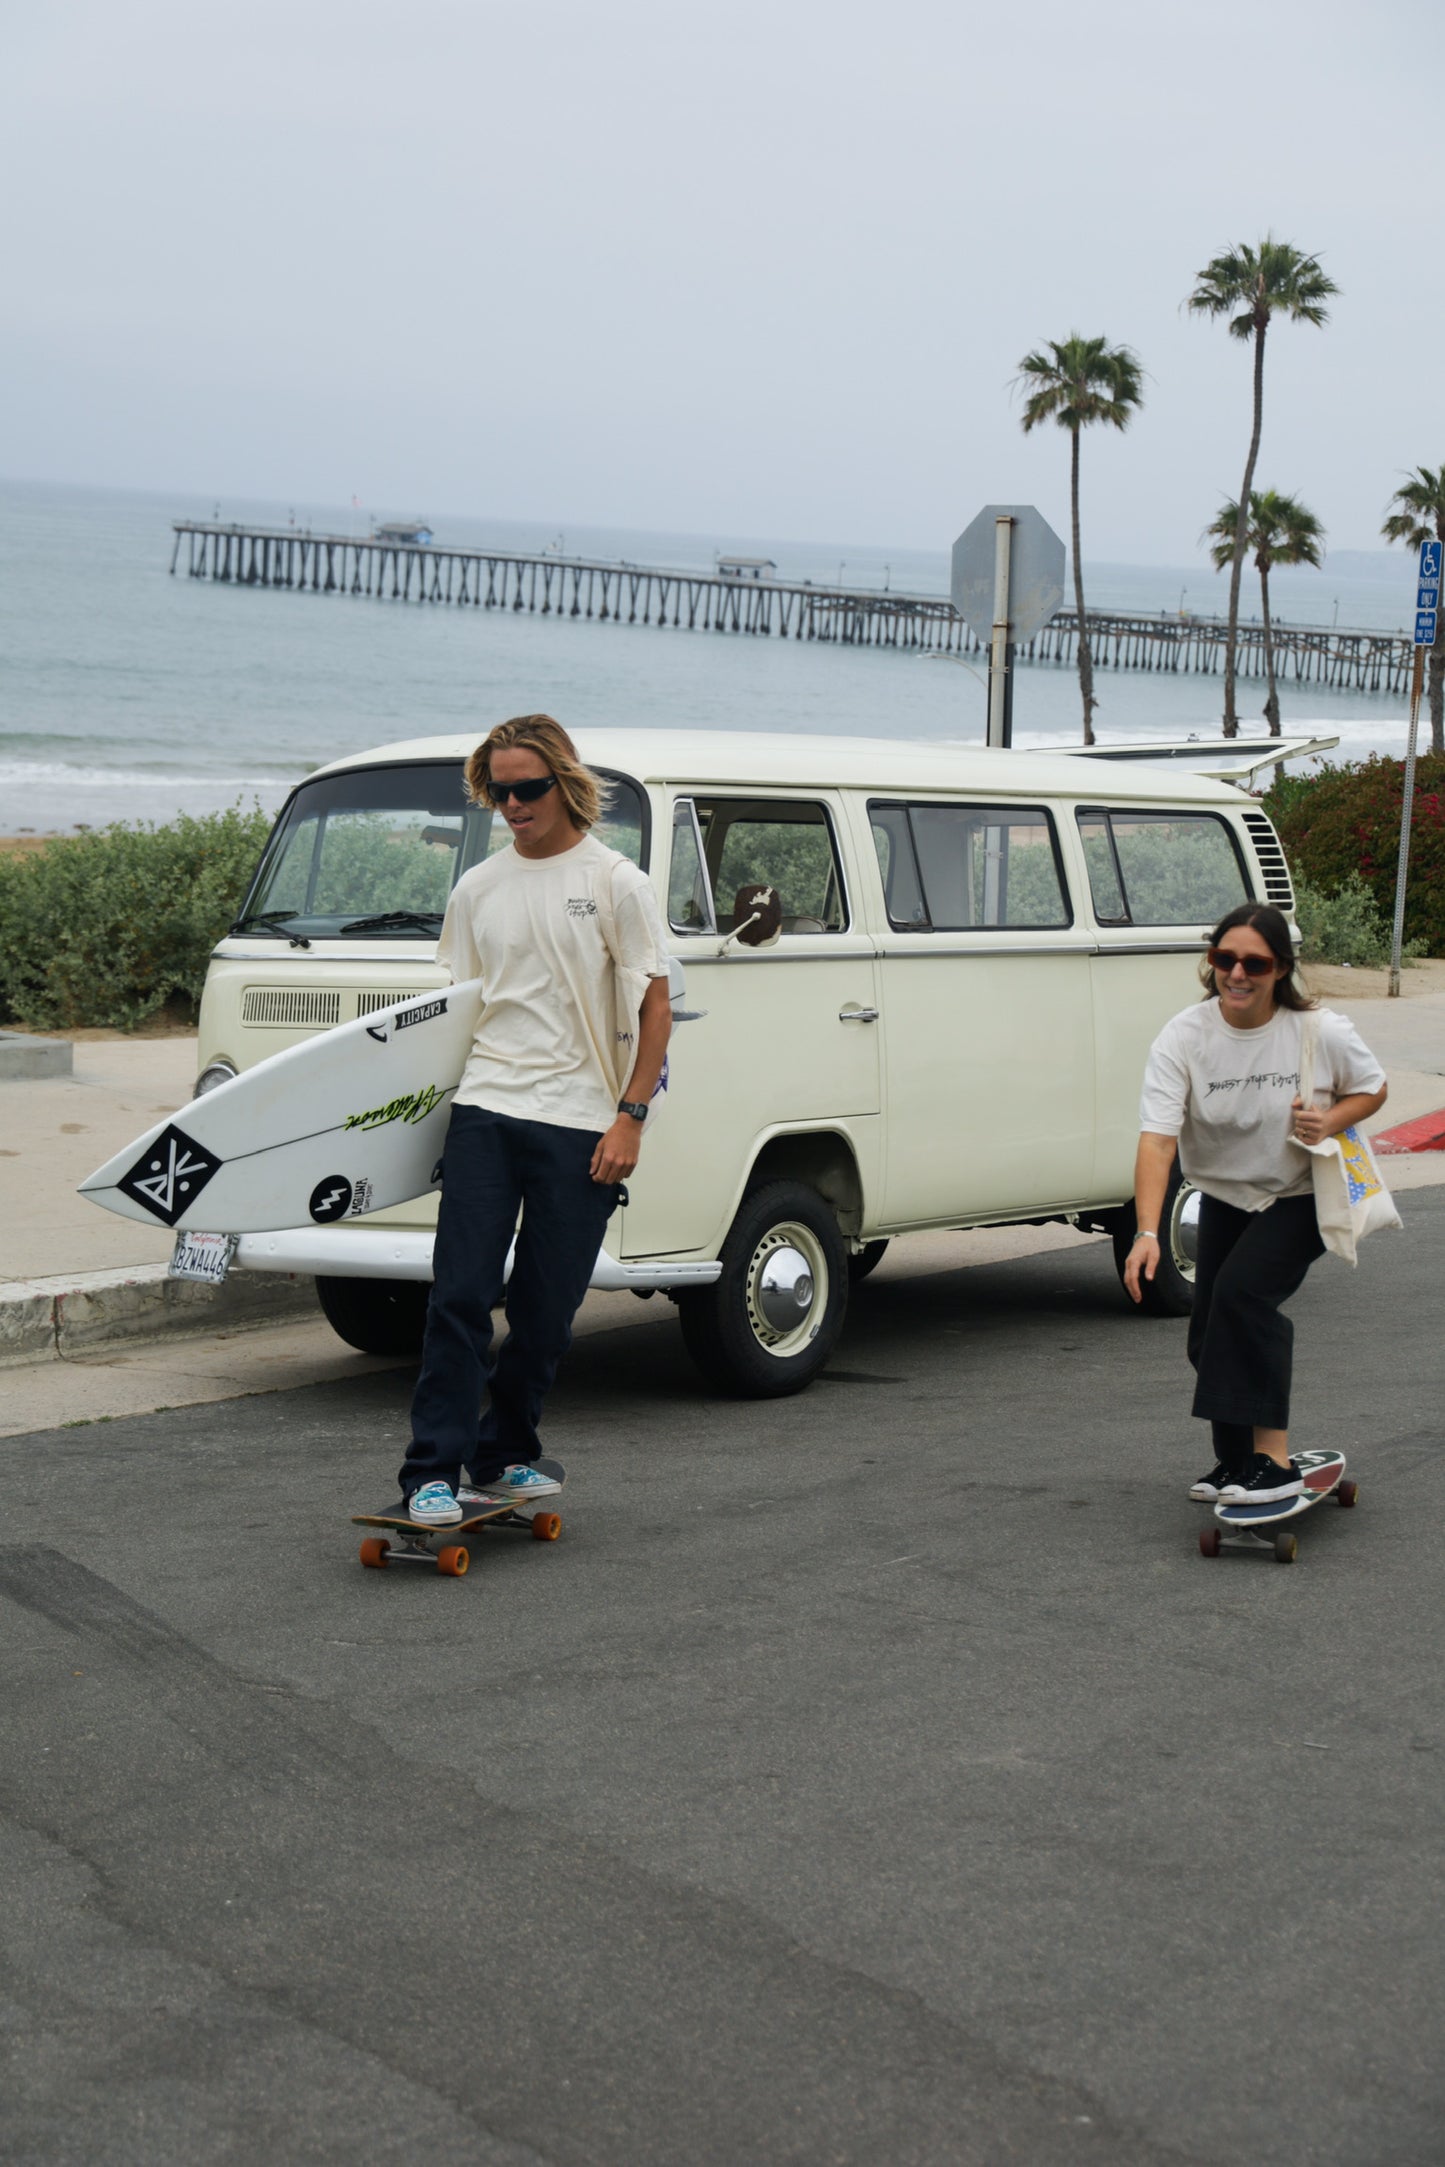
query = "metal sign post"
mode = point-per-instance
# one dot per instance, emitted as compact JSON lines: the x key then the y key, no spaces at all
{"x":1427,"y":605}
{"x":1001,"y":646}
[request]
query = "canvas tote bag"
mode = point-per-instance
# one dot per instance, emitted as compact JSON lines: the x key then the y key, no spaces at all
{"x":1351,"y":1200}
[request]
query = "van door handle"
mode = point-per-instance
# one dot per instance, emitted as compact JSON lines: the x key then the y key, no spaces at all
{"x":857,"y":1015}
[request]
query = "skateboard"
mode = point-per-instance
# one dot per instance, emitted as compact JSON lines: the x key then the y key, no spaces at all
{"x":1263,"y":1527}
{"x":448,"y":1547}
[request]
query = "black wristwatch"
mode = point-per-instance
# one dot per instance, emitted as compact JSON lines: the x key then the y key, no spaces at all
{"x":634,"y":1107}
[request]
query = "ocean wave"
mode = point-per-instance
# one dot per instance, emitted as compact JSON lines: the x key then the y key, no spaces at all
{"x":31,"y":774}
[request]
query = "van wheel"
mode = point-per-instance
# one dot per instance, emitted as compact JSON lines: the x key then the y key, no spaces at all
{"x":862,"y":1261}
{"x":768,"y":1325}
{"x":1170,"y":1293}
{"x":378,"y":1316}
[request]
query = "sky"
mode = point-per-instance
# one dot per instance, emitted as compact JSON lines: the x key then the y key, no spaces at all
{"x":762,"y":269}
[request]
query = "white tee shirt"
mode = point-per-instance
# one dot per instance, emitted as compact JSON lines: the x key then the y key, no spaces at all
{"x":546,"y":1047}
{"x":1226,"y":1094}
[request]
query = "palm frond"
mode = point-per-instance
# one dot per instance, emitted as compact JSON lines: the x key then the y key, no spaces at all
{"x":1076,"y":381}
{"x":1421,"y":513}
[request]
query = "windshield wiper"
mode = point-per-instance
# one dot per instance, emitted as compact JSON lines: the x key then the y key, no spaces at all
{"x":271,"y":921}
{"x":426,"y":918}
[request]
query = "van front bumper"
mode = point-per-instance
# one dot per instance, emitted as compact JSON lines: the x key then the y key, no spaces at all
{"x":400,"y":1253}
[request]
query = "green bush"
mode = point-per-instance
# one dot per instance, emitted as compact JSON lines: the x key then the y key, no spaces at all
{"x":1345,"y":822}
{"x":105,"y":929}
{"x":1345,"y":927}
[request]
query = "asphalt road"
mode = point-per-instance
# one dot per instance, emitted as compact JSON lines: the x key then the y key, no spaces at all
{"x":877,"y":1776}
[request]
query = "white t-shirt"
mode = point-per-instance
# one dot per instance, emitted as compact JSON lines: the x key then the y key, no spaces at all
{"x":1226,"y":1094}
{"x":546,"y":1043}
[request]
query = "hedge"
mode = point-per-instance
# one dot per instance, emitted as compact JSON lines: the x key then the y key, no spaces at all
{"x":1346,"y":820}
{"x":106,"y":929}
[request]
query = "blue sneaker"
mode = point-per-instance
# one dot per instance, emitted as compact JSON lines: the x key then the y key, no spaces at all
{"x":434,"y":1505}
{"x":523,"y":1483}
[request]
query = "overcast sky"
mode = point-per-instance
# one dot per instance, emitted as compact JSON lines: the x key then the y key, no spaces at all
{"x":739,"y":268}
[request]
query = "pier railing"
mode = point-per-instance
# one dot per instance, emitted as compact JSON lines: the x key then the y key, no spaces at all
{"x":548,"y":584}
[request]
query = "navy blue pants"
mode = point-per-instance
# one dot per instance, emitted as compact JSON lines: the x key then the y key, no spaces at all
{"x":492,"y":1167}
{"x":1241,"y":1347}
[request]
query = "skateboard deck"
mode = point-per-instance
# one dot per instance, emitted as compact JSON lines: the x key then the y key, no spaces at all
{"x":1265,"y":1526}
{"x":400,"y":1537}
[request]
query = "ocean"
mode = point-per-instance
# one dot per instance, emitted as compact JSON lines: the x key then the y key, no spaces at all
{"x":126,"y":694}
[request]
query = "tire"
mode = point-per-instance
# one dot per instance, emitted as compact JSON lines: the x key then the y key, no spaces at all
{"x":1170,"y":1293}
{"x":863,"y":1261}
{"x":377,"y":1316}
{"x":730,"y":1336}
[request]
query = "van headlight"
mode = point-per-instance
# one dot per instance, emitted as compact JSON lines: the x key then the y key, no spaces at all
{"x":218,"y":1072}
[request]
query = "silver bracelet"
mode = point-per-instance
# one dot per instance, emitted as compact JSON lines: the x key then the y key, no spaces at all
{"x":1145,"y":1236}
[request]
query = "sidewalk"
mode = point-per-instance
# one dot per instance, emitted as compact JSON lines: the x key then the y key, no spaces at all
{"x":91,"y":1327}
{"x":71,"y":1275}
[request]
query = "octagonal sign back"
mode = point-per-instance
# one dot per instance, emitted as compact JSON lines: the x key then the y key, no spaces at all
{"x":1036,"y":571}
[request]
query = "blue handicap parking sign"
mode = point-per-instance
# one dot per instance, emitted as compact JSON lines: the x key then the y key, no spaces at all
{"x":1430,"y":562}
{"x":1425,"y":621}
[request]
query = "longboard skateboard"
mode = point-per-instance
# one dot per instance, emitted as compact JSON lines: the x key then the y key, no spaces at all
{"x":448,"y":1548}
{"x":1264,"y":1527}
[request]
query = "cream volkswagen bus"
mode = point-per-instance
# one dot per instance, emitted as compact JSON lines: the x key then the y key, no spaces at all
{"x":946,"y":1029}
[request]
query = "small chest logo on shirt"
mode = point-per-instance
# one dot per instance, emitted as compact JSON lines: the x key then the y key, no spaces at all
{"x":581,"y":906}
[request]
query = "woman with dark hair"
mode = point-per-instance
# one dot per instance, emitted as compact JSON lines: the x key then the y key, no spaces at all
{"x":1222,"y":1085}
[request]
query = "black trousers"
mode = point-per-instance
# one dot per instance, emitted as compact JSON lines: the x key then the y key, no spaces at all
{"x":1250,"y":1262}
{"x":492,"y":1167}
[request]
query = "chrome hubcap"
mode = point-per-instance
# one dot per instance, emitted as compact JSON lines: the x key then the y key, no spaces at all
{"x":787,"y":1289}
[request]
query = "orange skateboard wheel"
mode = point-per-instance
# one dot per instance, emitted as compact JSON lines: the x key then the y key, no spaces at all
{"x":375,"y":1550}
{"x":546,"y":1526}
{"x":454,"y":1560}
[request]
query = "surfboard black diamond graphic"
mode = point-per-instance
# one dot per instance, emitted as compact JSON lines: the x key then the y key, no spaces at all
{"x":169,"y":1174}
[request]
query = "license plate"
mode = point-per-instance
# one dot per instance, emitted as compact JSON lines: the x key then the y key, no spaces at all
{"x":206,"y":1257}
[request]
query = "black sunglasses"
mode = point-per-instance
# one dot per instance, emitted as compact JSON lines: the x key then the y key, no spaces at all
{"x":1224,"y":960}
{"x":527,"y":793}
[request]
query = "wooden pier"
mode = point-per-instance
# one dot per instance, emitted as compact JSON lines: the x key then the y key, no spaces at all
{"x":552,"y":585}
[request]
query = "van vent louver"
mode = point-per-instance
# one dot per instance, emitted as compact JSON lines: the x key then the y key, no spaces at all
{"x":1277,"y":888}
{"x":290,"y":1007}
{"x":368,"y":1003}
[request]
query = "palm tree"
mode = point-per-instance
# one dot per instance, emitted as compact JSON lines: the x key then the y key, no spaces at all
{"x":1078,"y":381}
{"x":1280,"y":530}
{"x":1420,"y":517}
{"x":1249,"y":285}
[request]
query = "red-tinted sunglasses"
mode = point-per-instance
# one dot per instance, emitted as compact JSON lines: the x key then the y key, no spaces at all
{"x":526,"y":793}
{"x":1225,"y":960}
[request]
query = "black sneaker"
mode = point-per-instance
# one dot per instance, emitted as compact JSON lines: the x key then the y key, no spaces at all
{"x":1264,"y":1483}
{"x":1207,"y":1490}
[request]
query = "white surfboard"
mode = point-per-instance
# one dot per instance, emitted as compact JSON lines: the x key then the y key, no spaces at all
{"x":347,"y":1123}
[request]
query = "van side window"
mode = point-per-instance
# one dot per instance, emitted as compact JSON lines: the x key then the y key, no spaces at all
{"x":689,"y":896}
{"x":902,"y":890}
{"x":790,"y":845}
{"x":1160,"y":868}
{"x":960,"y":868}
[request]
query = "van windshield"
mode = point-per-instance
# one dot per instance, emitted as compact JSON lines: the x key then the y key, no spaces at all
{"x":374,"y":852}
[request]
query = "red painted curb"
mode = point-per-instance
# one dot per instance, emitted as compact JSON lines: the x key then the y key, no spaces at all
{"x":1426,"y":1134}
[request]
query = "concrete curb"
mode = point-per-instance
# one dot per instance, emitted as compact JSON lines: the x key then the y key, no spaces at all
{"x":50,"y":1319}
{"x":23,"y":1058}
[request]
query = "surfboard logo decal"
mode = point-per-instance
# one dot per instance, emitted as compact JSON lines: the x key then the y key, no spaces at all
{"x":412,"y":1106}
{"x":330,"y":1199}
{"x":405,"y":1017}
{"x":382,"y":1031}
{"x":169,"y":1175}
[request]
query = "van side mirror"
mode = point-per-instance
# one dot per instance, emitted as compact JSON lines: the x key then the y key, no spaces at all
{"x":757,"y":915}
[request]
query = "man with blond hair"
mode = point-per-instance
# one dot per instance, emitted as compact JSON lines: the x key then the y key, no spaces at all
{"x":565,"y":936}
